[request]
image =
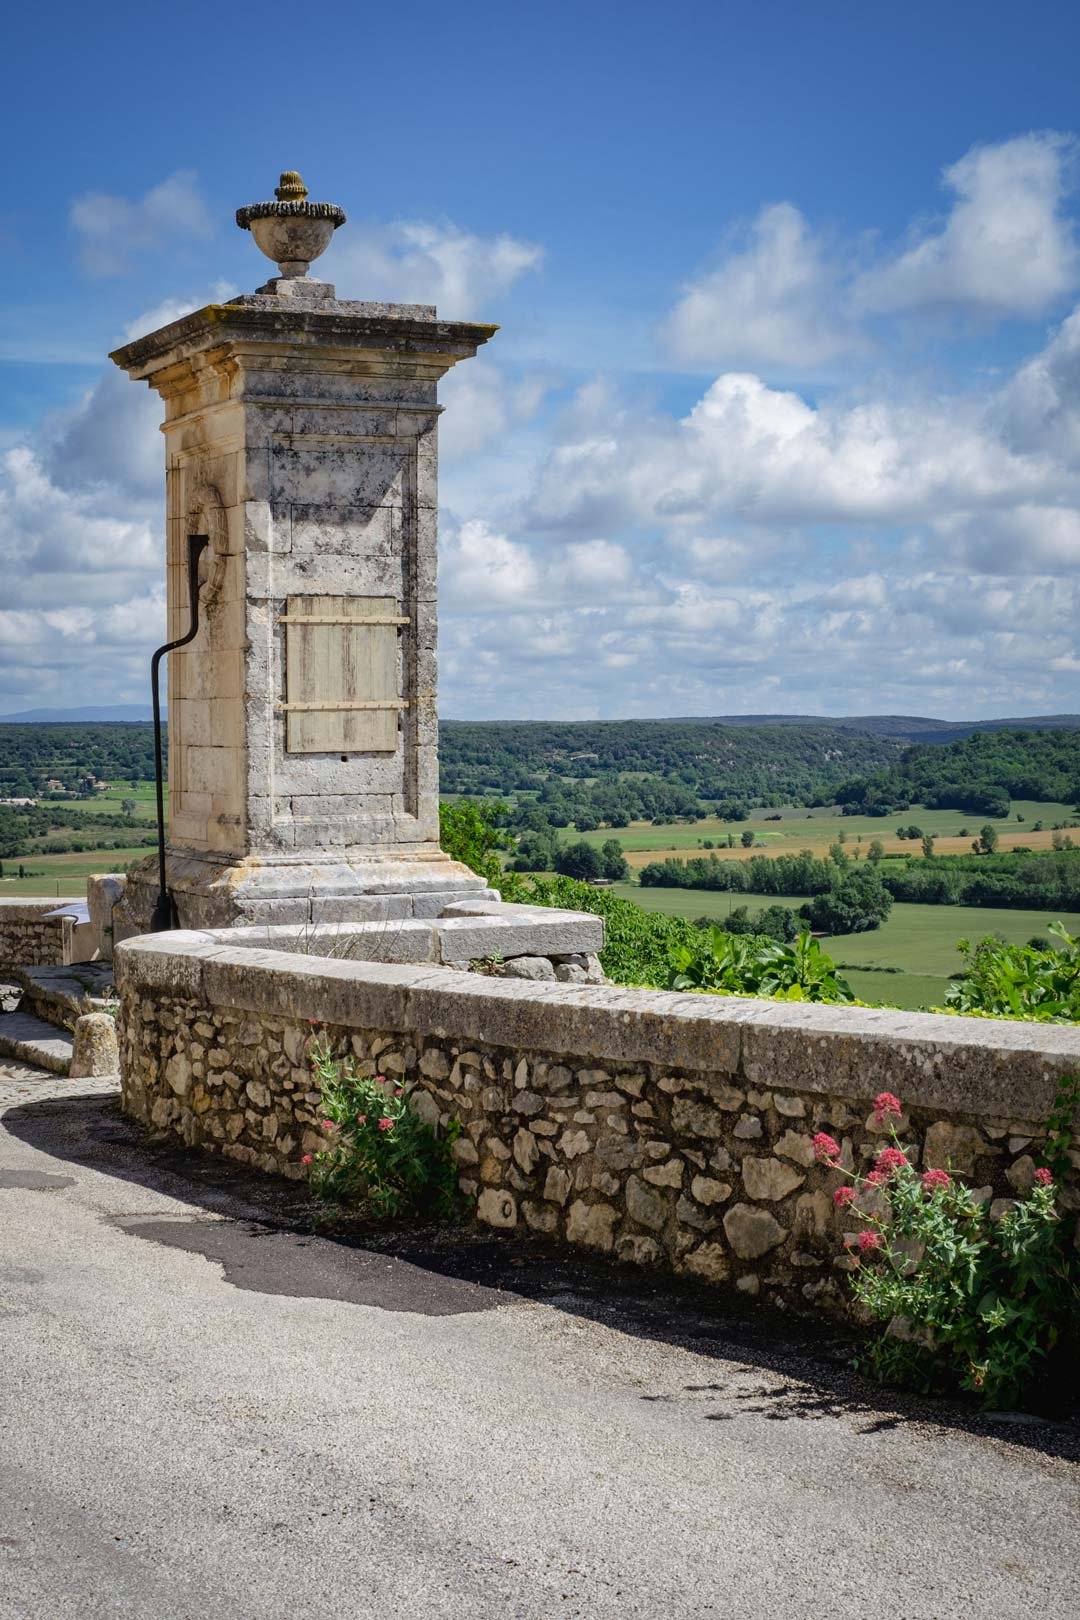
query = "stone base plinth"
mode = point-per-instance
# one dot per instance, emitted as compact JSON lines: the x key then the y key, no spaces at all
{"x":340,"y":887}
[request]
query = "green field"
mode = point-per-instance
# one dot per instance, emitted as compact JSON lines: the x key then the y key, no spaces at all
{"x":65,"y":875}
{"x":817,"y":829}
{"x":919,"y":940}
{"x":112,"y":802}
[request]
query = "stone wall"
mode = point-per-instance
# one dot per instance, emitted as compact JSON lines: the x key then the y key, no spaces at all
{"x":29,"y":938}
{"x":663,"y":1129}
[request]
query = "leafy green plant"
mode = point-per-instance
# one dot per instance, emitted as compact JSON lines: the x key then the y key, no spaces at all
{"x":384,"y":1158}
{"x":750,"y":964}
{"x":471,"y":831}
{"x":966,"y":1300}
{"x":1020,"y":981}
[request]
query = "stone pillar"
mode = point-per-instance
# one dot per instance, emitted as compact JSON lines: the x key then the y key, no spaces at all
{"x":301,"y":437}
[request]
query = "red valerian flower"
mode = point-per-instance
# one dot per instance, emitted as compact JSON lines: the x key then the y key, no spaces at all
{"x":843,"y":1196}
{"x":890,"y":1159}
{"x":328,"y":1125}
{"x":933,"y":1179}
{"x":876,"y":1178}
{"x":825,"y":1148}
{"x":306,"y":1159}
{"x":1044,"y":1177}
{"x":386,"y":1124}
{"x":886,"y":1106}
{"x":361,"y":1119}
{"x":869,"y":1240}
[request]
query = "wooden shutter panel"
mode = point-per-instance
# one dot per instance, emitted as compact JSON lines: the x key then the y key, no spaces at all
{"x":341,"y":674}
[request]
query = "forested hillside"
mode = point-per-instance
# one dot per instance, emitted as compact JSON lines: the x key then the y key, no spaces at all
{"x":699,"y":759}
{"x":33,"y":755}
{"x":980,"y":774}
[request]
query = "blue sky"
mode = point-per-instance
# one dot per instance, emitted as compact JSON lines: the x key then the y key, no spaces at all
{"x":785,"y":409}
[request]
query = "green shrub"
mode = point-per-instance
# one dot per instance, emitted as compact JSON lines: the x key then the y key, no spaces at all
{"x":1020,"y":981}
{"x":385,"y":1158}
{"x":750,"y":965}
{"x":966,"y":1300}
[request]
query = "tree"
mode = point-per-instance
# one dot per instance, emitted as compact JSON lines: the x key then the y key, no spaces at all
{"x":129,"y":807}
{"x":876,"y":850}
{"x":581,"y":861}
{"x":927,"y":845}
{"x":613,"y":861}
{"x":988,"y":838}
{"x":747,"y":839}
{"x":859,"y":902}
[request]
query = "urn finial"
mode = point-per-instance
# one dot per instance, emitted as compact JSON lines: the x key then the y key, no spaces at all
{"x":291,"y":231}
{"x":290,"y":188}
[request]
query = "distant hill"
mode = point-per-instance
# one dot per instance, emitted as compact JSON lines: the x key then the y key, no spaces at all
{"x":120,"y":713}
{"x":904,"y":727}
{"x":907,"y":727}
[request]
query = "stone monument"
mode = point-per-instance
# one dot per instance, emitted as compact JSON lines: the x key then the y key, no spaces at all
{"x":301,"y":435}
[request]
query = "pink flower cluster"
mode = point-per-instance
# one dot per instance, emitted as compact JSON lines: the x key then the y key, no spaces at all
{"x":890,"y":1159}
{"x":934,"y":1180}
{"x":843,"y":1196}
{"x":1044,"y":1177}
{"x":886,"y":1106}
{"x":386,"y":1124}
{"x":826,"y":1149}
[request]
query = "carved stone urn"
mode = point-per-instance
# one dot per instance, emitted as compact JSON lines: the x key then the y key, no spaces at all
{"x":291,"y":231}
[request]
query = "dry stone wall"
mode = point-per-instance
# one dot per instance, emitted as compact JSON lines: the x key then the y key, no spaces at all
{"x":661,"y":1129}
{"x":29,"y":938}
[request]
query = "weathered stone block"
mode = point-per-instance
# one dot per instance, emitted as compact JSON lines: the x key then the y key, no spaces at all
{"x":497,"y":1207}
{"x":752,"y":1232}
{"x":591,"y":1224}
{"x":94,"y":1049}
{"x":644,"y":1205}
{"x":768,"y":1178}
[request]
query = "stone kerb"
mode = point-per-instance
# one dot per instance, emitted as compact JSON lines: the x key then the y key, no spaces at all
{"x":664,"y":1128}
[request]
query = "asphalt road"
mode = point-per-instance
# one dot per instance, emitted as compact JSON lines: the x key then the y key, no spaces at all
{"x":205,"y":1412}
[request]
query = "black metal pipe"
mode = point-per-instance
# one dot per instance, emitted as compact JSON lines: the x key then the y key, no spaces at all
{"x":164,"y":914}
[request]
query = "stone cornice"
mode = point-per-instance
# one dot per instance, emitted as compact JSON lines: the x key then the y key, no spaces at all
{"x":340,"y":325}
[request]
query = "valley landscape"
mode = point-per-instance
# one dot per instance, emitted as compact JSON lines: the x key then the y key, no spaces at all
{"x":727,"y":791}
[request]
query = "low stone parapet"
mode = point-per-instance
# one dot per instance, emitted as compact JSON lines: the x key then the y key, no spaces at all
{"x":665,"y":1129}
{"x":30,"y":937}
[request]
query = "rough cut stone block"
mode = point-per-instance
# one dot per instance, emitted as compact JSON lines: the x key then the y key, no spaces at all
{"x":752,"y":1232}
{"x":768,"y":1178}
{"x":94,"y":1049}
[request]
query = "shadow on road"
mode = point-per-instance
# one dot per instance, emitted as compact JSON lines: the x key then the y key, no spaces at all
{"x":265,"y":1234}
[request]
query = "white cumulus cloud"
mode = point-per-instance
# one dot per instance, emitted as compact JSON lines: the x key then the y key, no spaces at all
{"x":424,"y":262}
{"x":771,"y":301}
{"x":1006,"y":246}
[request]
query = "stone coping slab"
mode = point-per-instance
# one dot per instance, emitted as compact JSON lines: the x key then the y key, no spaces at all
{"x":466,"y":935}
{"x":969,"y":1065}
{"x":23,"y":909}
